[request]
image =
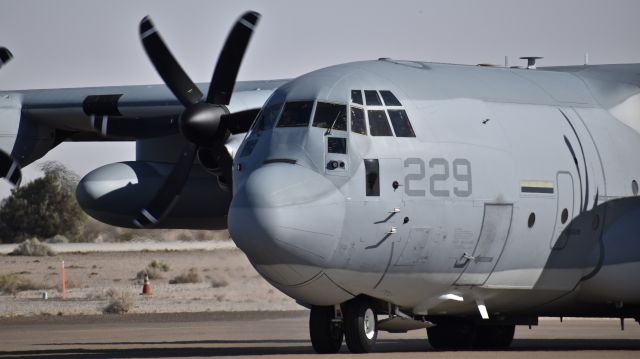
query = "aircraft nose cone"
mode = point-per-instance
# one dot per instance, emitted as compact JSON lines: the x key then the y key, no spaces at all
{"x":288,"y":219}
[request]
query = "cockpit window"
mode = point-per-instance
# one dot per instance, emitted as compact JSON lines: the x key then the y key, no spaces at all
{"x":296,"y":114}
{"x":372,"y":98}
{"x":270,"y":112}
{"x":358,"y":124}
{"x":378,"y":123}
{"x":401,"y":125}
{"x":356,"y":97}
{"x":330,"y":115}
{"x":389,"y":98}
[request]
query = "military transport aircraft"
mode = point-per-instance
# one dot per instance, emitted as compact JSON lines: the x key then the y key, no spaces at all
{"x":384,"y":195}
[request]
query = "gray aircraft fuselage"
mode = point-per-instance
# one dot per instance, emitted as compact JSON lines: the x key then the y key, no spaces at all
{"x":517,"y":192}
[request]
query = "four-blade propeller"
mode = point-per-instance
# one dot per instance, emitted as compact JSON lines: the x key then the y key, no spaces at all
{"x":205,"y":122}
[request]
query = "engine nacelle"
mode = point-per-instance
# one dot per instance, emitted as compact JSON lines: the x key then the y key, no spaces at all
{"x":115,"y":193}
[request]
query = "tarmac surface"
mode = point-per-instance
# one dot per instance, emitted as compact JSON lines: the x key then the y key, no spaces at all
{"x":276,"y":334}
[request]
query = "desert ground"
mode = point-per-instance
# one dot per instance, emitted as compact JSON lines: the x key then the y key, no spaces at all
{"x":224,"y":280}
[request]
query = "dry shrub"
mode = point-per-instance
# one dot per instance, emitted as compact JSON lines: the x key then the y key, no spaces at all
{"x":154,"y":270}
{"x":219,"y":283}
{"x":12,"y":283}
{"x":160,"y":265}
{"x":33,"y":247}
{"x":119,"y":301}
{"x":190,"y":276}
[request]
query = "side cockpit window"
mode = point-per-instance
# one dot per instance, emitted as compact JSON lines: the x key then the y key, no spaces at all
{"x":378,"y":123}
{"x":389,"y":98}
{"x":356,"y":97}
{"x":372,"y":98}
{"x":358,"y":124}
{"x":380,"y":107}
{"x":296,"y":114}
{"x":401,"y":125}
{"x":330,"y":115}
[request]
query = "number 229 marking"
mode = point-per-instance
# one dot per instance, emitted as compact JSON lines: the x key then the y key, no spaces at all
{"x":440,"y":175}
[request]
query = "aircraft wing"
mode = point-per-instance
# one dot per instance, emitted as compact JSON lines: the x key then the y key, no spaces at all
{"x":33,"y":122}
{"x":610,"y":84}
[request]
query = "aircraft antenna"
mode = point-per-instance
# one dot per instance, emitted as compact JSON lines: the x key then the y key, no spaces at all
{"x":586,"y":58}
{"x":531,"y":61}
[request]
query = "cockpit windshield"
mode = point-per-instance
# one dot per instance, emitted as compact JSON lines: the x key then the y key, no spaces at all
{"x":331,"y":115}
{"x":270,"y":111}
{"x":296,"y":114}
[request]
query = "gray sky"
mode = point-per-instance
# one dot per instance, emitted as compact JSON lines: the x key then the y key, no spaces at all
{"x":66,"y":43}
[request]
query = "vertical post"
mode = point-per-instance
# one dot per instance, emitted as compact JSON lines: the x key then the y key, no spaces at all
{"x":586,"y":58}
{"x":506,"y":61}
{"x":64,"y":283}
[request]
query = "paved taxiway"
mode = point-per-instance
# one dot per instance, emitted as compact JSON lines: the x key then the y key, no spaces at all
{"x":277,"y":334}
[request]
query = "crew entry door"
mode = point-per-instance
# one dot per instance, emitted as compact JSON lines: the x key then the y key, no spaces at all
{"x":493,"y":236}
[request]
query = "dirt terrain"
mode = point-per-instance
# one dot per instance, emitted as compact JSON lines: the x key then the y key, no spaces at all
{"x":227,"y":282}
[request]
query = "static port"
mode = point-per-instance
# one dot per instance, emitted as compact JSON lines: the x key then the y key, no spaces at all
{"x":341,"y":164}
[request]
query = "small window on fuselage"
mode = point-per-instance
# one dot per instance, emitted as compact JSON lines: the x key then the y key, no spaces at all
{"x":296,"y":114}
{"x":401,"y":125}
{"x":372,"y":98}
{"x":389,"y":98}
{"x":378,"y":123}
{"x":330,"y":115}
{"x":372,"y":177}
{"x":356,"y":97}
{"x":358,"y":125}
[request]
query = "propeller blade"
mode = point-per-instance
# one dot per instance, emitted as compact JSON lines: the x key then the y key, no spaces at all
{"x":239,"y":122}
{"x":10,"y":169}
{"x":224,"y":76}
{"x":170,"y":191}
{"x":169,"y":69}
{"x":5,"y":56}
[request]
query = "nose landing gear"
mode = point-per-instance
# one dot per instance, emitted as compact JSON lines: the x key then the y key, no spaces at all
{"x":359,"y":327}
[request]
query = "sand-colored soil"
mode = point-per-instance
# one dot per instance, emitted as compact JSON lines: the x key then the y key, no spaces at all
{"x":238,"y":287}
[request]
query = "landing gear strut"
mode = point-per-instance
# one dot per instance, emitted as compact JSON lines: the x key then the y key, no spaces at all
{"x":326,"y":333}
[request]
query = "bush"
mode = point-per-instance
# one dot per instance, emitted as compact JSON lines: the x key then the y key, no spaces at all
{"x":33,"y":247}
{"x":219,"y":283}
{"x":42,"y":208}
{"x":119,"y":302}
{"x":190,"y":276}
{"x":154,"y":270}
{"x":159,"y":265}
{"x":13,"y":283}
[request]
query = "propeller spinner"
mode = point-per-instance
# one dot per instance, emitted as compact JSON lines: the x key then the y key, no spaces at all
{"x":205,"y":122}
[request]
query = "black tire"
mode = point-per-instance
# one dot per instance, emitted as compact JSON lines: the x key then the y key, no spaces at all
{"x":454,"y":334}
{"x":360,"y":326}
{"x":494,"y":336}
{"x":326,"y":336}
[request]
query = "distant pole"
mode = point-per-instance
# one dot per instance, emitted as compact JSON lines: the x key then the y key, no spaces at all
{"x":64,"y":283}
{"x":586,"y":58}
{"x":506,"y":61}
